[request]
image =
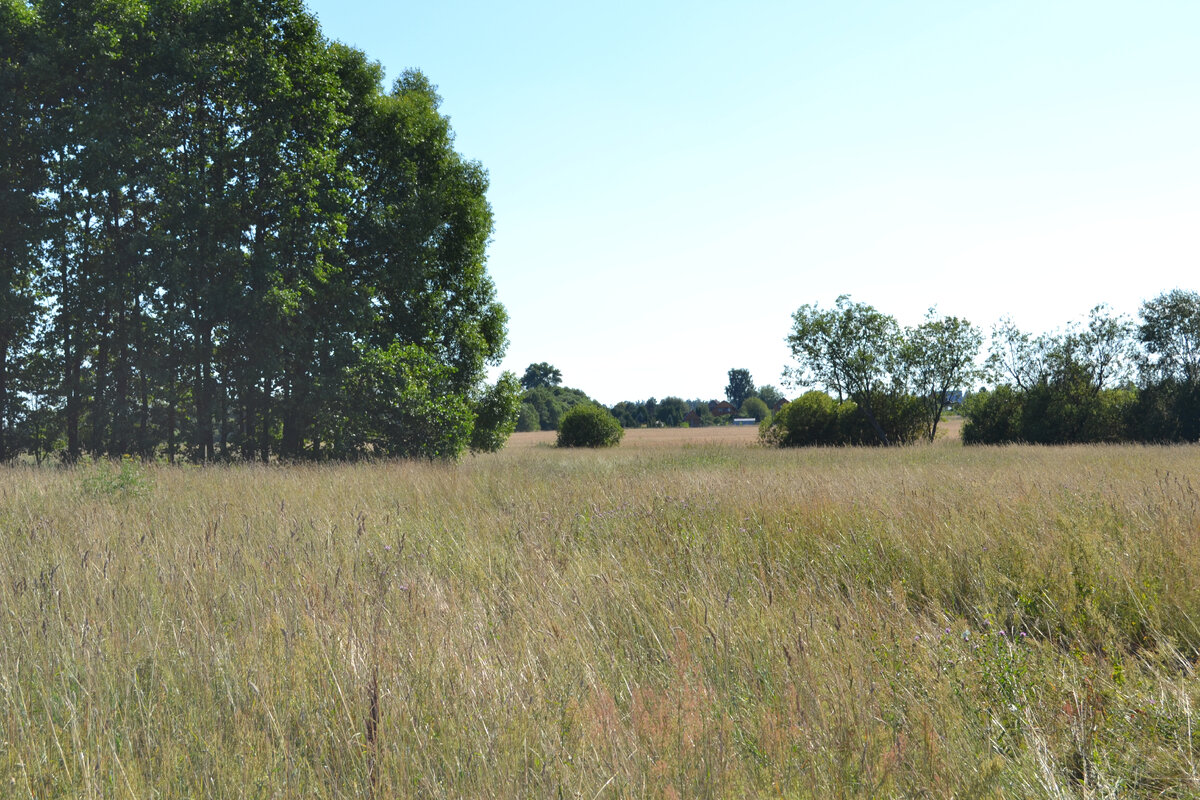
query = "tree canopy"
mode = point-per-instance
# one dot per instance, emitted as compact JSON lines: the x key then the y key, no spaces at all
{"x":740,"y":386}
{"x":221,"y":237}
{"x":895,"y":377}
{"x":541,"y":374}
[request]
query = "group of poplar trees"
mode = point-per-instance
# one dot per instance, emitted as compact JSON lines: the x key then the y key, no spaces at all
{"x":221,"y":238}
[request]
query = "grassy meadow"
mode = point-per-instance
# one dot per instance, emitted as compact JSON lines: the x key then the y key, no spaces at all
{"x":685,"y":616}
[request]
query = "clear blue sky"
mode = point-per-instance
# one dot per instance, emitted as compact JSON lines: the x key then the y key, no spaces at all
{"x":670,"y":181}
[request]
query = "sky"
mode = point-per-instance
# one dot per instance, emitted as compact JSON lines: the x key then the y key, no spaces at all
{"x":671,"y":181}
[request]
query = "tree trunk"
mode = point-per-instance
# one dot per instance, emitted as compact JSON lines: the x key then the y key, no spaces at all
{"x":4,"y":410}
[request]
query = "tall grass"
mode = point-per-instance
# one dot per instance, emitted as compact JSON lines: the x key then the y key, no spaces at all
{"x":699,"y":621}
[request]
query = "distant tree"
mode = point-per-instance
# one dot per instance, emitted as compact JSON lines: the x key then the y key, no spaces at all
{"x":770,"y":395}
{"x":851,"y":350}
{"x":1170,"y":333}
{"x":1015,"y":357}
{"x":541,"y":374}
{"x":626,"y":413}
{"x":551,"y":402}
{"x":740,"y":386}
{"x":938,"y":357}
{"x":703,"y":411}
{"x":650,"y":412}
{"x":671,"y":411}
{"x":754,"y":407}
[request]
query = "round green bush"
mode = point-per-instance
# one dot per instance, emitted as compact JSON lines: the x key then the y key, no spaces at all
{"x":587,"y":425}
{"x":810,"y":419}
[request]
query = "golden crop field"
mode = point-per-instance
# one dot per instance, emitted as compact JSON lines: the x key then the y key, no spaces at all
{"x":677,"y":617}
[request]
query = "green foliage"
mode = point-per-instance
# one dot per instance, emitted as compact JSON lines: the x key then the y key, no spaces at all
{"x":1166,"y":411}
{"x":770,"y":395}
{"x":815,"y":418}
{"x":851,"y":350}
{"x":496,"y":414}
{"x":395,"y":402}
{"x":938,"y":357}
{"x":671,"y":411}
{"x":237,"y":212}
{"x":626,"y":413}
{"x":541,"y":374}
{"x":810,"y":419}
{"x":527,"y":419}
{"x":589,"y":425}
{"x":740,"y":386}
{"x":1170,"y":333}
{"x":992,"y":417}
{"x":116,"y":478}
{"x":754,"y":407}
{"x":551,"y":402}
{"x":703,"y":412}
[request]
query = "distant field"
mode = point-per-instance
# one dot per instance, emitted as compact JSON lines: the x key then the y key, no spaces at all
{"x":676,"y":617}
{"x":731,"y":435}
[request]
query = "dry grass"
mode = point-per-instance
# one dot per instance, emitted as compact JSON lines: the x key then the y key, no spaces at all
{"x":658,"y":620}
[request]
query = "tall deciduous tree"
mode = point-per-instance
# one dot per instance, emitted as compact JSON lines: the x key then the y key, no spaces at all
{"x":1170,"y":333}
{"x":541,"y":374}
{"x":232,"y":228}
{"x":740,"y":386}
{"x":850,"y":349}
{"x":938,"y":357}
{"x":22,"y":178}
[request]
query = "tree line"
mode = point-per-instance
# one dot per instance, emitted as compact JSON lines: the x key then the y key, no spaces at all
{"x":545,"y":401}
{"x":221,"y":237}
{"x":1107,"y":379}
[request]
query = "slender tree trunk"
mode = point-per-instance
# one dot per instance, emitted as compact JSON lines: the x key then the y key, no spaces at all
{"x":202,"y":386}
{"x":264,"y":445}
{"x":4,"y":409}
{"x":73,"y":366}
{"x":144,"y":442}
{"x":101,"y":410}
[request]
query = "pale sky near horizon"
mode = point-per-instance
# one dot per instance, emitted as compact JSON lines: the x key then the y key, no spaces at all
{"x":671,"y":181}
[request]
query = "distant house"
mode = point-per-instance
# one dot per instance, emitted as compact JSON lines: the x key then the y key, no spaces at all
{"x":745,"y":421}
{"x":693,"y":420}
{"x":722,"y":408}
{"x":780,"y":403}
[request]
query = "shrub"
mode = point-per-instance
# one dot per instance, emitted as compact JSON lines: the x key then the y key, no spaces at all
{"x":587,"y":425}
{"x":755,"y":407}
{"x":527,"y":419}
{"x":496,"y":412}
{"x":812,"y":418}
{"x":992,"y":417}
